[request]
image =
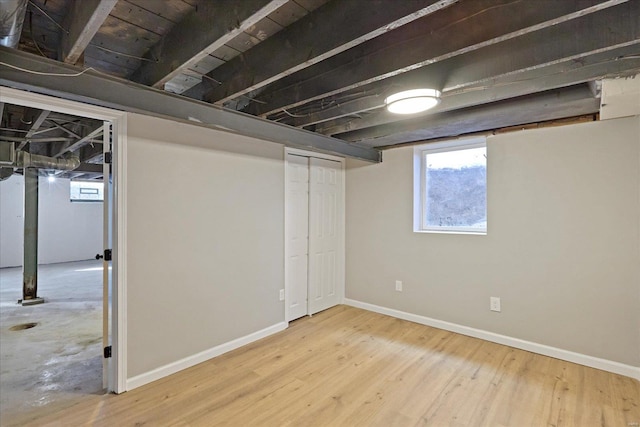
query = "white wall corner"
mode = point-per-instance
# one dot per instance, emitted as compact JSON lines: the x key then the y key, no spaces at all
{"x":203,"y":356}
{"x":620,"y":97}
{"x":558,"y":353}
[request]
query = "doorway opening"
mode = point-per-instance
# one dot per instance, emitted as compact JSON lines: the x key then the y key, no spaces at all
{"x":69,"y":296}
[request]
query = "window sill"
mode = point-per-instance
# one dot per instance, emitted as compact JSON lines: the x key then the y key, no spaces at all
{"x":472,"y":233}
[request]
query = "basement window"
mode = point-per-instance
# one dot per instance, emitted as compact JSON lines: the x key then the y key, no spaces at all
{"x":450,"y":187}
{"x":86,"y":191}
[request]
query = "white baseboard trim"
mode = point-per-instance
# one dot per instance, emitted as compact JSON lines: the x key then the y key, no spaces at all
{"x":558,"y":353}
{"x":187,"y":362}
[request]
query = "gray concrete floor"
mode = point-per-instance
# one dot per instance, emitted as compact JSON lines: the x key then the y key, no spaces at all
{"x":60,"y":358}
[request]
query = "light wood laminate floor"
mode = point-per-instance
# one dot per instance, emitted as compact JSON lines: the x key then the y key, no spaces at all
{"x":350,"y":367}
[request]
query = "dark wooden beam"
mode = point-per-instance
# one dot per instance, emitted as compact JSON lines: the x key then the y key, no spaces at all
{"x":82,"y":23}
{"x":361,"y":105}
{"x":333,"y":28}
{"x":611,"y":63}
{"x":513,"y":24}
{"x":567,"y":102}
{"x":99,"y":89}
{"x":204,"y":30}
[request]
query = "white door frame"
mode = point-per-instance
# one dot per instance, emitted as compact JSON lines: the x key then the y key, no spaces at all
{"x":118,"y":367}
{"x":342,"y":161}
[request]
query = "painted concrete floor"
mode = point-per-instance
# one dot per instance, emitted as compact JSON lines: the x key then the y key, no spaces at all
{"x":61,"y":357}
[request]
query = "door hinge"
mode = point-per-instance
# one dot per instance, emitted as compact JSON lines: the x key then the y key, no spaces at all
{"x":107,"y":352}
{"x":107,"y":254}
{"x":108,"y":157}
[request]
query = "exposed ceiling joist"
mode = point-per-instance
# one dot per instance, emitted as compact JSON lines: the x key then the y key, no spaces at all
{"x":200,"y":33}
{"x":348,"y":108}
{"x":23,"y":119}
{"x":78,"y":144}
{"x":568,"y":102}
{"x":514,"y":58}
{"x":456,"y":42}
{"x":37,"y":123}
{"x":324,"y":66}
{"x":23,"y":140}
{"x":589,"y":68}
{"x":82,"y":23}
{"x":111,"y":92}
{"x":65,"y":130}
{"x":89,"y":168}
{"x":34,"y":127}
{"x":316,"y":37}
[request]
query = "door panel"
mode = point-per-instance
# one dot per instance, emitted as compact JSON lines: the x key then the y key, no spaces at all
{"x":325,"y":276}
{"x":297,"y":232}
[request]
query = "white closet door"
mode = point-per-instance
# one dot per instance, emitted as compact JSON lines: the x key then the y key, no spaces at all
{"x":326,"y":275}
{"x":297,"y":235}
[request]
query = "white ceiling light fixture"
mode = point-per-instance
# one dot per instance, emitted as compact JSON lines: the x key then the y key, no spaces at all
{"x":412,"y":101}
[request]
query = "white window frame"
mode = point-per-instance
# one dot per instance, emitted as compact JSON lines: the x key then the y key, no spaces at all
{"x":80,"y":200}
{"x":419,"y":184}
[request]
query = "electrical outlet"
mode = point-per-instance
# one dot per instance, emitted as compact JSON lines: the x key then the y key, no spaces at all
{"x":399,"y":285}
{"x":494,"y":303}
{"x":281,"y":294}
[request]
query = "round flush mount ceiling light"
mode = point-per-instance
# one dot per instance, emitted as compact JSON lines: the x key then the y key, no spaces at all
{"x":412,"y":101}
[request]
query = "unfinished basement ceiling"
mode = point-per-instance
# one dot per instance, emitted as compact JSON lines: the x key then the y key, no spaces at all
{"x":326,"y":66}
{"x":55,"y":136}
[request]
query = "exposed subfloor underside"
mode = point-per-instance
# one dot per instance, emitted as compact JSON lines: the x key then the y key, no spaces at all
{"x":57,"y":360}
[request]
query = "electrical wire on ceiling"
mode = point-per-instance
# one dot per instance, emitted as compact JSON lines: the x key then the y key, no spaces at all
{"x":32,"y":37}
{"x":322,"y":104}
{"x":295,"y":115}
{"x":50,"y":18}
{"x":155,"y":61}
{"x":41,"y":73}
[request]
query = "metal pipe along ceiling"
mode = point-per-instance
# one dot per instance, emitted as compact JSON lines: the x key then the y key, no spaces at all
{"x":11,"y":19}
{"x":28,"y":160}
{"x":35,"y":161}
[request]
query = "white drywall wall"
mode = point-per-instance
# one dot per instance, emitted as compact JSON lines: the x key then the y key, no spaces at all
{"x":66,"y":231}
{"x":11,"y":221}
{"x":205,"y":239}
{"x":562,"y":249}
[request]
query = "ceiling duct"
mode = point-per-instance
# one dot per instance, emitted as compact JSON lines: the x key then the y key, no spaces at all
{"x":28,"y":160}
{"x":11,"y":18}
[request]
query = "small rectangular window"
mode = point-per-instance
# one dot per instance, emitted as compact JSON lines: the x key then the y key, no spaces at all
{"x":86,"y":191}
{"x":452,"y":187}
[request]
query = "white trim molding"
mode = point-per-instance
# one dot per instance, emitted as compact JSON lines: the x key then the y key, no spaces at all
{"x":558,"y":353}
{"x":119,"y":241}
{"x":203,"y":356}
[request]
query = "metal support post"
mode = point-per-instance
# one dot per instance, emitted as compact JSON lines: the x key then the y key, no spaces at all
{"x":30,"y":261}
